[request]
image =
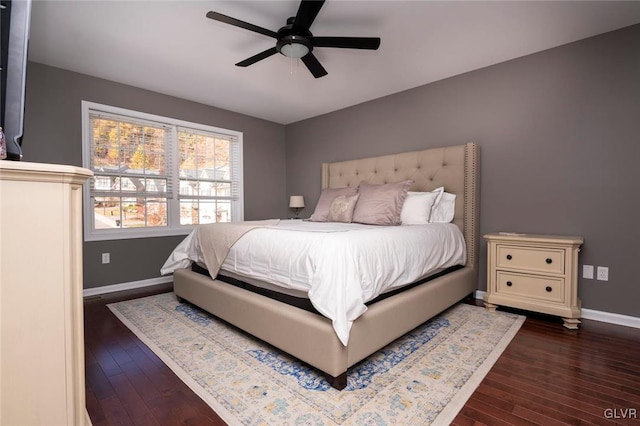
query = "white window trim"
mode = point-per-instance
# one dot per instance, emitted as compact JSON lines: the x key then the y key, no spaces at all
{"x":173,"y":209}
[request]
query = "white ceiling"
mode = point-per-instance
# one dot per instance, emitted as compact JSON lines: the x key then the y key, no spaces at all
{"x":172,"y":48}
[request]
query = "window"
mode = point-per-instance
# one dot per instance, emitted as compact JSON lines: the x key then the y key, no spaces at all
{"x":157,"y":176}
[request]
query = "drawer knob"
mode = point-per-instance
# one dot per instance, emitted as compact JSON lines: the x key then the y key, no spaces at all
{"x":548,"y":289}
{"x":509,"y":257}
{"x":549,"y":260}
{"x":509,"y":284}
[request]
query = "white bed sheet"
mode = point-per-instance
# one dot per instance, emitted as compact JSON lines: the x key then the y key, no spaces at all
{"x":340,"y":266}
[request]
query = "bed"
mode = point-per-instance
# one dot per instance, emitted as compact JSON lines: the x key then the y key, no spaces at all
{"x":311,"y":337}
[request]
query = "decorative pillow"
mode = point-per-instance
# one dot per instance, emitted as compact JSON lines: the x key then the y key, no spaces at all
{"x":444,"y":210}
{"x":326,"y":197}
{"x":341,"y":209}
{"x":381,"y":204}
{"x":416,"y":209}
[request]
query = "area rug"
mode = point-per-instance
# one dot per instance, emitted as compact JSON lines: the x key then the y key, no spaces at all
{"x":422,"y":378}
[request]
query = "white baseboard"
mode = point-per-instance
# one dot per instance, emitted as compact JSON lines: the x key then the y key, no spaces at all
{"x":608,"y":317}
{"x":611,"y":318}
{"x":95,"y":291}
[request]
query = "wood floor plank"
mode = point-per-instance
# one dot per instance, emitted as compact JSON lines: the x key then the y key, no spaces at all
{"x":98,"y":382}
{"x":585,"y":380}
{"x":132,"y":402}
{"x":114,"y":411}
{"x":536,"y":417}
{"x":548,"y":375}
{"x":118,"y":353}
{"x":479,"y":413}
{"x":109,"y":365}
{"x":462,"y":420}
{"x":93,"y":406}
{"x":562,"y":387}
{"x":601,"y":363}
{"x":140,"y":381}
{"x":578,"y":400}
{"x":538,"y":402}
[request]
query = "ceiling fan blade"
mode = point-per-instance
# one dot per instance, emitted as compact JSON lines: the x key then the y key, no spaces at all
{"x":307,"y":13}
{"x":238,"y":23}
{"x":371,"y":43}
{"x":314,"y":65}
{"x":255,"y":58}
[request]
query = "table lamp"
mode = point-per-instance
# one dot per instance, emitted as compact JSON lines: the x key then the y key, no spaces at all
{"x":296,"y":202}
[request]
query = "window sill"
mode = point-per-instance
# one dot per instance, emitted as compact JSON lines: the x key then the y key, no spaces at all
{"x":127,"y":234}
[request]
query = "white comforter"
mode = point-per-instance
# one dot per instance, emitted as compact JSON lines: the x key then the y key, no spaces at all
{"x":340,"y":266}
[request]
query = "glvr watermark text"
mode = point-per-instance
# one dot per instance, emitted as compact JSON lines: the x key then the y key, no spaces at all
{"x":620,"y":413}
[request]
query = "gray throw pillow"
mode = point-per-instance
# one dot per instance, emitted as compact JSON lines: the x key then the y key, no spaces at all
{"x":321,"y":212}
{"x":341,"y":209}
{"x":381,"y":204}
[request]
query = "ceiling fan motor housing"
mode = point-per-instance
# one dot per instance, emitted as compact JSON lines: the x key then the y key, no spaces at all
{"x":290,"y":34}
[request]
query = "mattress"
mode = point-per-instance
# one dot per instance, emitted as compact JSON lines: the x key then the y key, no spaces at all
{"x":339,"y":266}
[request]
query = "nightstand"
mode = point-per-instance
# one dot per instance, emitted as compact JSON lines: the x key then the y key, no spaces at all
{"x":534,"y":272}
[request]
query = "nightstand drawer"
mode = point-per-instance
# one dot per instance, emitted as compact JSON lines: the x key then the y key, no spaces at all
{"x":529,"y":286}
{"x":530,"y":259}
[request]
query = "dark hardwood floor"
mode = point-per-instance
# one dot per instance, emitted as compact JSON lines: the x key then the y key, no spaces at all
{"x":127,"y":384}
{"x":548,"y":375}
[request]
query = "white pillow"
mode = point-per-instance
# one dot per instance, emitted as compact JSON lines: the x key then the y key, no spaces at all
{"x":444,"y":209}
{"x":417,"y":207}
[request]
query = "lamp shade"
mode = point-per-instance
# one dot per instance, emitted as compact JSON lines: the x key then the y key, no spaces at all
{"x":296,"y":201}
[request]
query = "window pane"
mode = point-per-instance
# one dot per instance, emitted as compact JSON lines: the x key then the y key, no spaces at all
{"x":131,"y":184}
{"x":223,"y":189}
{"x":128,"y":145}
{"x":207,"y":211}
{"x":188,"y":187}
{"x":154,"y":138}
{"x":133,"y":212}
{"x":106,"y":183}
{"x":106,"y":212}
{"x":188,"y":212}
{"x":105,"y":143}
{"x":155,"y":185}
{"x":222,"y":155}
{"x":206,"y":189}
{"x":204,"y":157}
{"x":156,"y":212}
{"x":187,"y":154}
{"x":223,"y":161}
{"x":223,"y":211}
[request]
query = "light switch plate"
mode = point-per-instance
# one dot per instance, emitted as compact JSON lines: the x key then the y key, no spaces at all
{"x":587,"y":271}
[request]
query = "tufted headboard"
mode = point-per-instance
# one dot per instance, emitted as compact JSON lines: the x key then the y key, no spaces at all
{"x":455,"y":167}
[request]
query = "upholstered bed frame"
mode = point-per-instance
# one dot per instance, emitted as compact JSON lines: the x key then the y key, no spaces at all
{"x":311,"y":337}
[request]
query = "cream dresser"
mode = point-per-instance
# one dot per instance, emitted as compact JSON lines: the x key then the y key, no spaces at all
{"x":41,"y":311}
{"x":534,"y":272}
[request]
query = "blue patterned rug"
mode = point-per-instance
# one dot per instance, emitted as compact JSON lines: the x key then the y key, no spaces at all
{"x":425,"y":377}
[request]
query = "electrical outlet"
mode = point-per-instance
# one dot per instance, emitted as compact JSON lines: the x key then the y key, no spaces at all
{"x":587,"y":271}
{"x":106,"y":258}
{"x":603,"y":273}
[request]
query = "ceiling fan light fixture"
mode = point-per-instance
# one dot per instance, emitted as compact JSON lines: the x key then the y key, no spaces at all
{"x":294,"y":46}
{"x":294,"y":50}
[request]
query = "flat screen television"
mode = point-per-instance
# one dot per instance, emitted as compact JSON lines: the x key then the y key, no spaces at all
{"x":14,"y":28}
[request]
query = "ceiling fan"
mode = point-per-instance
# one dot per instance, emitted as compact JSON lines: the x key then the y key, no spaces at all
{"x":294,"y":40}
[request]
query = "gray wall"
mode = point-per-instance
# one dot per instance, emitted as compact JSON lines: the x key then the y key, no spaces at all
{"x":559,"y":133}
{"x":53,"y":135}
